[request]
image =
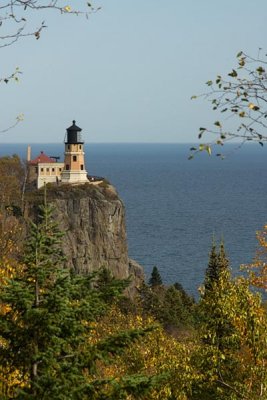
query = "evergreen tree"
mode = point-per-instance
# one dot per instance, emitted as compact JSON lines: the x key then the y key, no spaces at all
{"x":231,"y":359}
{"x":218,"y":262}
{"x":212,"y":269}
{"x":173,"y":313}
{"x":217,"y":283}
{"x":168,"y":305}
{"x":42,"y":329}
{"x":151,"y":300}
{"x":109,"y":287}
{"x":155,"y":279}
{"x":187,"y":300}
{"x":222,"y":258}
{"x":46,"y":328}
{"x":217,"y":331}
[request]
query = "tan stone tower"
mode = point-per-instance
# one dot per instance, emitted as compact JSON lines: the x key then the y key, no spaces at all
{"x":74,"y":169}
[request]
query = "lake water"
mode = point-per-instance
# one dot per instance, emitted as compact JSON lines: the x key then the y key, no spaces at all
{"x":175,"y":206}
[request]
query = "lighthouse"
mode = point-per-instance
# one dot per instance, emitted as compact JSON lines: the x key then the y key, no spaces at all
{"x":74,"y":166}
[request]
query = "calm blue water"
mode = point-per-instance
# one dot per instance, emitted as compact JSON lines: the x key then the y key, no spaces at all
{"x":174,"y":206}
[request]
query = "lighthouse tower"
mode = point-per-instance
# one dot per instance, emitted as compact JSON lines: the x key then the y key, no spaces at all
{"x":74,"y":167}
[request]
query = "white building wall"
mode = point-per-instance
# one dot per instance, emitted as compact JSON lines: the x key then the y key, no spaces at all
{"x":49,"y":173}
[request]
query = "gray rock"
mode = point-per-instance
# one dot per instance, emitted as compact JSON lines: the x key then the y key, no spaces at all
{"x":93,"y":220}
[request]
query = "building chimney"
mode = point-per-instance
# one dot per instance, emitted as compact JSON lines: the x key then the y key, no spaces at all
{"x":29,"y":150}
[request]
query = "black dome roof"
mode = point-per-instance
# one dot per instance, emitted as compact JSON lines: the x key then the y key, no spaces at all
{"x":74,"y":127}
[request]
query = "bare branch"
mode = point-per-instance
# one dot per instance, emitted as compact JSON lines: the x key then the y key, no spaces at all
{"x":15,"y":24}
{"x":19,"y":119}
{"x":16,"y":11}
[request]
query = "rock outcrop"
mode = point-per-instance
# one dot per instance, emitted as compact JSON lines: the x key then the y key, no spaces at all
{"x":93,"y":220}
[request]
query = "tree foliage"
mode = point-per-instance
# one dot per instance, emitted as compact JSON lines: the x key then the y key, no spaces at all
{"x":12,"y":175}
{"x":155,"y":279}
{"x":218,"y":263}
{"x":240,"y":102}
{"x":64,"y":335}
{"x":231,"y":357}
{"x":169,"y":305}
{"x":47,"y":317}
{"x":11,"y":230}
{"x":157,"y":355}
{"x":258,"y":268}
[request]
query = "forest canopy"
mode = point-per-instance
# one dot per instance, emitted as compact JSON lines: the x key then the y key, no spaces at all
{"x":65,"y":335}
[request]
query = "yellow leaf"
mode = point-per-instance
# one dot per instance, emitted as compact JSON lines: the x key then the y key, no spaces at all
{"x":253,"y":107}
{"x":208,"y":148}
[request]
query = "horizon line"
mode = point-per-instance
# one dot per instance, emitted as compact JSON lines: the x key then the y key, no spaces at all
{"x":150,"y":143}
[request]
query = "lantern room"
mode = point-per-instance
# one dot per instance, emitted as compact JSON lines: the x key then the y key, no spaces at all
{"x":74,"y":135}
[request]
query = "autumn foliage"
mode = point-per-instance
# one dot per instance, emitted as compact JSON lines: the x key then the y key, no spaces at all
{"x":258,"y":268}
{"x":68,"y":336}
{"x":129,"y":354}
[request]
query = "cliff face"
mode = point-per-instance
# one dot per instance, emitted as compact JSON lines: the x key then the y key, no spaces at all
{"x":93,"y":219}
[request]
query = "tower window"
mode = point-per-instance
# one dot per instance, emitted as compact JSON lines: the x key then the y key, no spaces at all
{"x":68,"y":146}
{"x":74,"y":158}
{"x":47,"y":169}
{"x":80,"y":147}
{"x":81,"y":166}
{"x":67,"y":167}
{"x":42,"y":170}
{"x":53,"y":169}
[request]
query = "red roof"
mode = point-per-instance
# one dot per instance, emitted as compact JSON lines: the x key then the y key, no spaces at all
{"x":42,"y":158}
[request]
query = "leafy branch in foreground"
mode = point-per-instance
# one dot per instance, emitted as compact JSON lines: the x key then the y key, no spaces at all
{"x":241,"y":101}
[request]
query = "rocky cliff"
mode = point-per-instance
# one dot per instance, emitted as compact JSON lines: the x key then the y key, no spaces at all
{"x":93,"y":219}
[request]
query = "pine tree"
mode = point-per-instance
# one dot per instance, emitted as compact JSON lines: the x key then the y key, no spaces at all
{"x":41,"y":328}
{"x":109,"y":287}
{"x":218,"y":262}
{"x":212,"y":269}
{"x":222,"y":258}
{"x":174,"y":314}
{"x":218,"y":334}
{"x":46,"y":331}
{"x":188,"y":301}
{"x":232,"y":323}
{"x":216,"y":285}
{"x":155,"y":279}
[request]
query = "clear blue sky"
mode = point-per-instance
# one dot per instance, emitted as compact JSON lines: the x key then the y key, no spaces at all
{"x":127,"y":73}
